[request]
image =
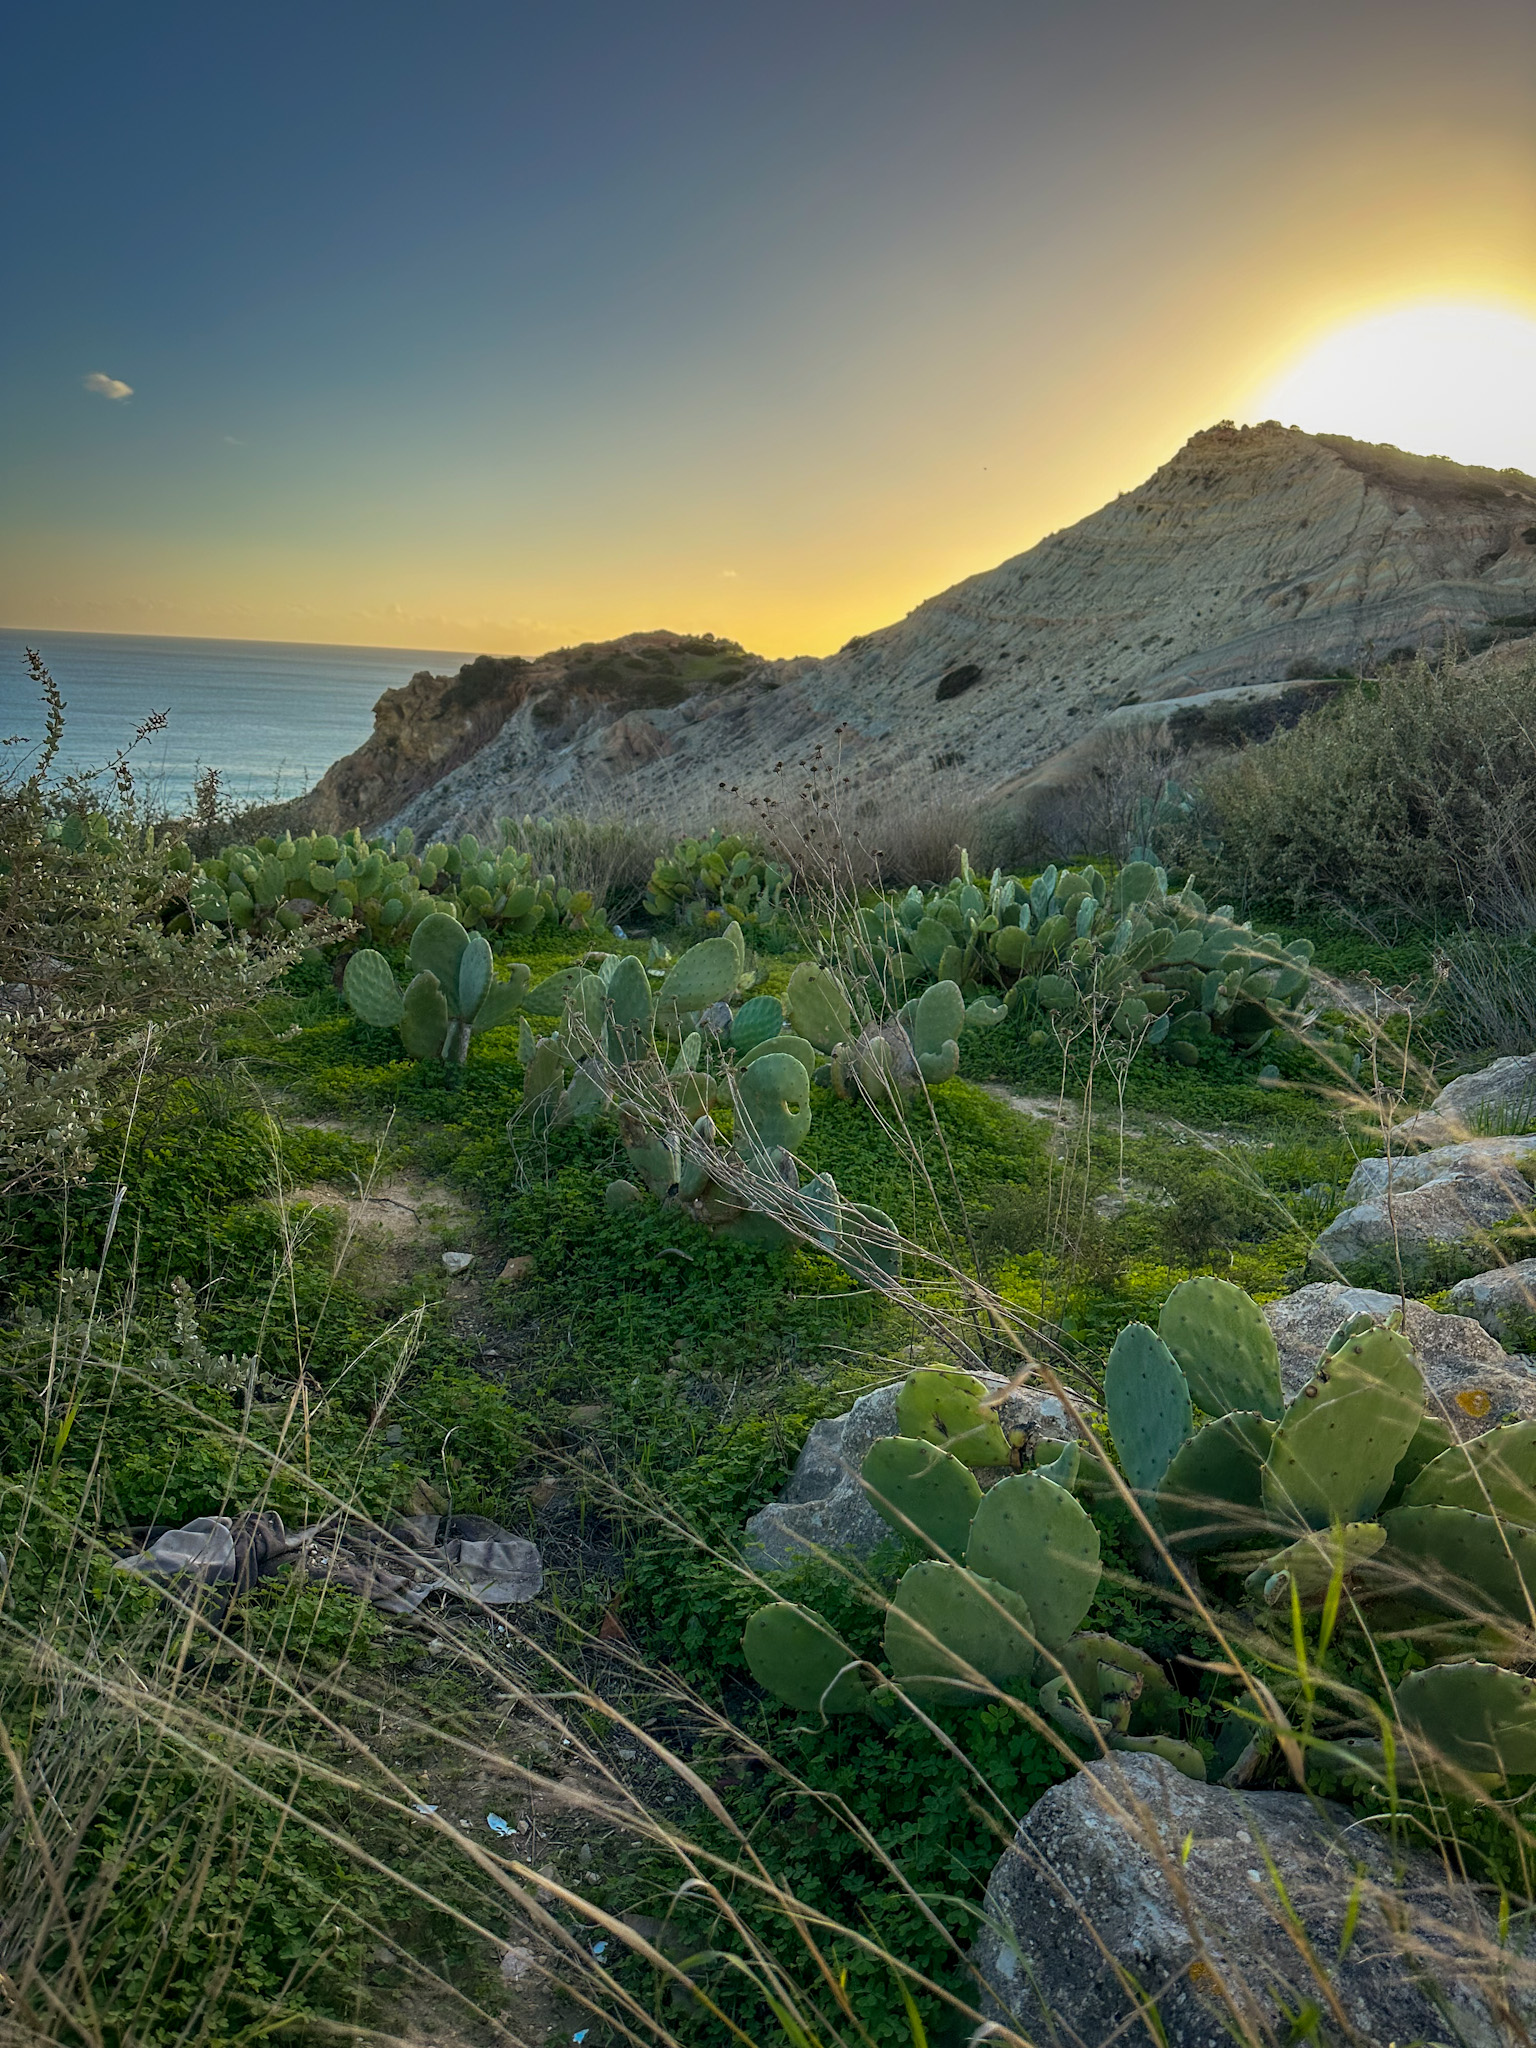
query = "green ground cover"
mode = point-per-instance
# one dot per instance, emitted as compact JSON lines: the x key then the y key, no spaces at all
{"x":627,"y":1400}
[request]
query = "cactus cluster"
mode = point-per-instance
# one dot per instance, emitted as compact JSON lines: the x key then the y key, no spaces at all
{"x":452,"y":993}
{"x":1156,"y":968}
{"x":1350,"y":1485}
{"x":998,"y":1605}
{"x":752,"y":1190}
{"x":1349,"y":1489}
{"x":705,"y":883}
{"x":384,"y":887}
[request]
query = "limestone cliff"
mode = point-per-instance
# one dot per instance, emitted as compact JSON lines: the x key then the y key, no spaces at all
{"x":1254,"y":554}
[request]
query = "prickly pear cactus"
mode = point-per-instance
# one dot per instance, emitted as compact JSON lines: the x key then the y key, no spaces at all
{"x":1472,"y":1566}
{"x":1309,"y":1566}
{"x":1031,"y":1536}
{"x":1212,"y":1494}
{"x":706,"y":974}
{"x":1495,"y":1474}
{"x":758,"y":1022}
{"x":792,"y":1653}
{"x":948,"y":1632}
{"x":923,"y":1491}
{"x":371,"y":991}
{"x":817,"y":1006}
{"x":1147,"y":1399}
{"x":949,"y":1409}
{"x":1224,"y":1346}
{"x":1340,"y":1440}
{"x":1109,"y":1694}
{"x":774,"y":1094}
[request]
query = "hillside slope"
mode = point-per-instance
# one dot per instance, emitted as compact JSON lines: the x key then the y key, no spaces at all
{"x":1255,"y":553}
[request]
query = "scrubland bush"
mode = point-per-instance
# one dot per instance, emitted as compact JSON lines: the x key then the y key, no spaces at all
{"x":96,"y":996}
{"x":1416,"y":789}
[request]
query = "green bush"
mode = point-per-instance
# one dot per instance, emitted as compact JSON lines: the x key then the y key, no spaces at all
{"x":1416,"y":788}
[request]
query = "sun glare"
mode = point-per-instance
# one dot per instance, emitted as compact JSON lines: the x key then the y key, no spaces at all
{"x":1436,"y":379}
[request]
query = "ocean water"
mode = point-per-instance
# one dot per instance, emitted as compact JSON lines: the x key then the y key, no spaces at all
{"x":269,"y":715}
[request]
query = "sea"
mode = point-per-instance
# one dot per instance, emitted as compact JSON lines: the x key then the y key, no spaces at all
{"x":271,"y":716}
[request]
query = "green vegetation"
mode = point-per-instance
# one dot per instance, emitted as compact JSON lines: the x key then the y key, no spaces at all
{"x":704,"y":1211}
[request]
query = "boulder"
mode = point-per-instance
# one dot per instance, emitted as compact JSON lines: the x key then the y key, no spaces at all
{"x":1502,"y":1093}
{"x":1500,"y":1158}
{"x":1473,"y":1383}
{"x":1503,"y":1302}
{"x":1431,"y":1234}
{"x":824,"y":1508}
{"x":1131,"y":1874}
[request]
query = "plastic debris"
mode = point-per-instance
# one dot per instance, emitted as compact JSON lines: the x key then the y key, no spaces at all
{"x":458,"y":1262}
{"x":498,"y":1826}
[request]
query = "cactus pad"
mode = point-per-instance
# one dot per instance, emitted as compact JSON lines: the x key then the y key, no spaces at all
{"x":1469,"y":1565}
{"x":798,"y":1048}
{"x":1225,"y":1348}
{"x":793,"y":1653}
{"x":1147,"y":1398}
{"x":817,"y":1006}
{"x":424,"y":1017}
{"x":757,"y":1022}
{"x":1474,"y":1718}
{"x":775,"y":1095}
{"x":1212,"y":1495}
{"x":1032,"y":1537}
{"x":1340,"y":1441}
{"x":372,"y":993}
{"x":945,"y":1624}
{"x":552,"y":994}
{"x":920,"y":1489}
{"x":436,"y":945}
{"x":707,"y":973}
{"x":1307,"y":1566}
{"x":1493,"y":1475}
{"x":946,"y":1408}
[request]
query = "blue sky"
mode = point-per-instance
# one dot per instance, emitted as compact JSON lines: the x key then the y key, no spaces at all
{"x":508,"y":324}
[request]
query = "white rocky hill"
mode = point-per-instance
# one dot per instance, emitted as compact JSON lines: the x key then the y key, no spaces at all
{"x":1254,"y":555}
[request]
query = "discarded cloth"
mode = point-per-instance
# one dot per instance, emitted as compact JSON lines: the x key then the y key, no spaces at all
{"x":465,"y":1556}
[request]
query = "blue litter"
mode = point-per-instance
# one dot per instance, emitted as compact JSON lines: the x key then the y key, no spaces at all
{"x":498,"y":1826}
{"x":424,"y":1809}
{"x":599,"y":1948}
{"x":579,"y":2038}
{"x":619,"y":933}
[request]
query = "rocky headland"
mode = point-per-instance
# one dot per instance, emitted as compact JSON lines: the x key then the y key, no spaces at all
{"x":1210,"y":599}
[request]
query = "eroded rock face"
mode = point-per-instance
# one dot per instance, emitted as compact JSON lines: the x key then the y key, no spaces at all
{"x":824,"y":1508}
{"x":1102,"y":1860}
{"x":1432,"y":1234}
{"x":1251,"y":551}
{"x":1473,"y":1383}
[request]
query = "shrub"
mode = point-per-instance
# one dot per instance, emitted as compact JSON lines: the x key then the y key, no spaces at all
{"x":1416,"y":788}
{"x":96,"y":994}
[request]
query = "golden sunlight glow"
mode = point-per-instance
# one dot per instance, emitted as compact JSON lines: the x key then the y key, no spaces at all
{"x":1436,"y":378}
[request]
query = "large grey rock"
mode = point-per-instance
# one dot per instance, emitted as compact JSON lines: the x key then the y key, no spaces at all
{"x":1431,"y":1234}
{"x":824,"y":1508}
{"x":1132,"y":1868}
{"x":1503,"y":1301}
{"x":1499,"y":1158}
{"x":1502,"y":1093}
{"x":1473,"y":1383}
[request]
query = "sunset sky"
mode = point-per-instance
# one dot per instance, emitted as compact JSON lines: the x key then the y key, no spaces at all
{"x":492,"y":325}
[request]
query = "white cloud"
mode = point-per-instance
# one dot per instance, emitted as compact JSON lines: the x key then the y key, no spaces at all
{"x":729,"y":575}
{"x":105,"y":386}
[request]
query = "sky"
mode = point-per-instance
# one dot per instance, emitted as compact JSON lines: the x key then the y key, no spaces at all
{"x":504,"y":326}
